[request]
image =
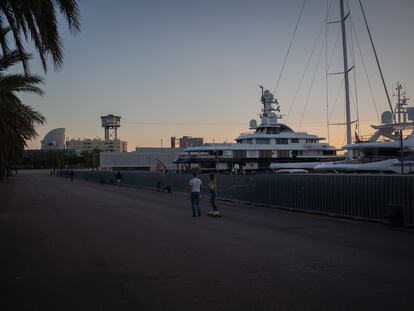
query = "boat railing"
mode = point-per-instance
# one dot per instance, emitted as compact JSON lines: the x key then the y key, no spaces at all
{"x":218,"y":144}
{"x":247,"y":133}
{"x":316,"y":146}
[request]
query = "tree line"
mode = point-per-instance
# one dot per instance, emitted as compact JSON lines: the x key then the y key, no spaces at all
{"x":58,"y":160}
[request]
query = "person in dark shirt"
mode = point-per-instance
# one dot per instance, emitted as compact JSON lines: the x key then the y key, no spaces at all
{"x":118,"y":178}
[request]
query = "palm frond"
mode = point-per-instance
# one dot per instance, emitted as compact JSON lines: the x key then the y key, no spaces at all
{"x":12,"y":58}
{"x":20,"y":83}
{"x":37,"y":20}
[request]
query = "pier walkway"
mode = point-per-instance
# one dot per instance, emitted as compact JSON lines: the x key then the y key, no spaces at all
{"x":88,"y":246}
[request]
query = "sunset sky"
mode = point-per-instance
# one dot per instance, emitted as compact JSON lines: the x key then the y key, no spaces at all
{"x":174,"y":68}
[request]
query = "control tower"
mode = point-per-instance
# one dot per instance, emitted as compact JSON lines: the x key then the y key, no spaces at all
{"x":111,"y":123}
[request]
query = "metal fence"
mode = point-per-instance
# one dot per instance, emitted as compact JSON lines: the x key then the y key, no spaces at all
{"x":371,"y":197}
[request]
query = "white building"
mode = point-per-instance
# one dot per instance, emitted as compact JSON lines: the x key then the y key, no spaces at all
{"x":147,"y":159}
{"x":54,"y":140}
{"x":81,"y":145}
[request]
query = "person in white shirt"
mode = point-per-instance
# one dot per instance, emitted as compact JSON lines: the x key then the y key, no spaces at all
{"x":194,"y":187}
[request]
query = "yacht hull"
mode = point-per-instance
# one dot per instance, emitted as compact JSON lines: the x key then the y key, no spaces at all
{"x":386,"y":166}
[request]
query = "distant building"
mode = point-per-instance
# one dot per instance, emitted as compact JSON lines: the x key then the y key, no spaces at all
{"x":188,"y":141}
{"x":146,"y":159}
{"x":54,"y":140}
{"x":113,"y":145}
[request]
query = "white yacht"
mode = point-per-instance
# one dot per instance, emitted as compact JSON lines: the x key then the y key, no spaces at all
{"x":266,"y":143}
{"x":387,"y":150}
{"x":391,"y":148}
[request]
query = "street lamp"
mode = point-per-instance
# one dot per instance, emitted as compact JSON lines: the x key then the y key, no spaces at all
{"x":400,"y":129}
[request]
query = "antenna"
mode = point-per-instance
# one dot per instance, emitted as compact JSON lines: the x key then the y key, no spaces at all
{"x":398,"y":88}
{"x":401,"y":110}
{"x":262,"y":99}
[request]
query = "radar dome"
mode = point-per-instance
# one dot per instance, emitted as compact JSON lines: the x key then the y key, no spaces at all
{"x":253,"y":124}
{"x":386,"y":117}
{"x":266,"y":92}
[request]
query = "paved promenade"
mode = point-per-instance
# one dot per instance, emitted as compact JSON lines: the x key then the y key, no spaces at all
{"x":85,"y":246}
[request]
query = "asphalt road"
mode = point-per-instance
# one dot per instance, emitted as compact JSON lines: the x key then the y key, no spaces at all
{"x":85,"y":246}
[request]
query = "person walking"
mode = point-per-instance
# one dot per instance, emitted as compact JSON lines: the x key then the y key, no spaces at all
{"x":194,"y":188}
{"x":118,"y":178}
{"x":212,"y":186}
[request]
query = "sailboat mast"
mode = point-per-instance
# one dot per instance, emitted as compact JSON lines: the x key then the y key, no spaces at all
{"x":345,"y":54}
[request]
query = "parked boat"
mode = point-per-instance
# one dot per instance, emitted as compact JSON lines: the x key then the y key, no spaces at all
{"x":387,"y":150}
{"x":270,"y":142}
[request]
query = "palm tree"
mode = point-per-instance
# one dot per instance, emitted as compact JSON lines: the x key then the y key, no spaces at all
{"x":36,"y":20}
{"x":17,"y":120}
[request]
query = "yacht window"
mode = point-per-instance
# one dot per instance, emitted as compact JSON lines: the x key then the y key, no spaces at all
{"x":215,"y":152}
{"x":294,"y":140}
{"x":252,"y":153}
{"x":311,"y":153}
{"x":283,"y":153}
{"x":265,"y":153}
{"x":227,"y":153}
{"x":273,"y":130}
{"x":382,"y":152}
{"x":282,"y":141}
{"x":285,"y":128}
{"x":262,"y":141}
{"x":239,"y":154}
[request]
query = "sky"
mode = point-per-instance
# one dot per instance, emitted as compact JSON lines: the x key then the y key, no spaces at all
{"x":192,"y":67}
